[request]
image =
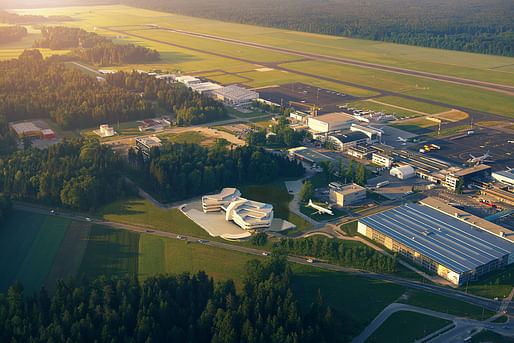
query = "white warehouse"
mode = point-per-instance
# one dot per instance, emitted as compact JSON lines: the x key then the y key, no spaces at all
{"x":331,"y":122}
{"x":403,"y":172}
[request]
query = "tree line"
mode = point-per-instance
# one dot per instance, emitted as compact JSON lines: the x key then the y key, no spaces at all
{"x":28,"y":19}
{"x":80,"y":174}
{"x":33,"y":87}
{"x":473,"y":25}
{"x":180,"y":308}
{"x":92,"y":47}
{"x":179,"y":171}
{"x":340,"y":252}
{"x":281,"y":136}
{"x":190,"y":107}
{"x":12,"y":33}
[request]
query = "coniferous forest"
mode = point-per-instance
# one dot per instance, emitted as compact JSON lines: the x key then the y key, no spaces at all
{"x":183,"y":308}
{"x":32,"y":87}
{"x":92,"y":47}
{"x":474,"y":25}
{"x":180,"y":171}
{"x":12,"y":33}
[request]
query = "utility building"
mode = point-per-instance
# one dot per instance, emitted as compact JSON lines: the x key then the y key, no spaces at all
{"x":403,"y":172}
{"x":235,"y":95}
{"x":347,"y":194}
{"x":331,"y":122}
{"x":449,"y":246}
{"x":347,"y":139}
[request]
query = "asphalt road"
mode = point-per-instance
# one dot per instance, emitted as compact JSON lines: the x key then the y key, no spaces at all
{"x":451,"y":79}
{"x":476,"y":300}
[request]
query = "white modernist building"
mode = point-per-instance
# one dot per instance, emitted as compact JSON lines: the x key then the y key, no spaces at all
{"x":331,"y":122}
{"x":403,"y":172}
{"x":215,"y":202}
{"x":248,"y":214}
{"x":236,"y":95}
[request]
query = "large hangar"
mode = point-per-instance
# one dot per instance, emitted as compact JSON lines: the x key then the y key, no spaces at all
{"x":450,"y":247}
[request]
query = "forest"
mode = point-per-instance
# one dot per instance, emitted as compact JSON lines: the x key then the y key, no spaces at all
{"x":474,"y":25}
{"x":92,"y":47}
{"x":179,"y":171}
{"x":281,"y":136}
{"x":79,"y":174}
{"x":13,"y":18}
{"x":190,"y":107}
{"x":10,"y":34}
{"x":180,"y":308}
{"x":340,"y":252}
{"x":33,"y":87}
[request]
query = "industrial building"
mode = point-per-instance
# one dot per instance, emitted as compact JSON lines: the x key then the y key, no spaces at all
{"x":25,"y":129}
{"x":248,"y":214}
{"x":330,"y":122}
{"x":205,"y":87}
{"x":403,"y":172}
{"x":495,"y":194}
{"x":506,"y":177}
{"x":347,"y":194}
{"x":452,"y":248}
{"x":146,"y":144}
{"x":215,"y":202}
{"x":382,"y":159}
{"x":105,"y":131}
{"x":360,"y":152}
{"x":468,"y":175}
{"x":235,"y":95}
{"x":346,"y":139}
{"x":309,"y":156}
{"x":187,"y":80}
{"x":154,"y":124}
{"x":47,"y":134}
{"x":374,"y":134}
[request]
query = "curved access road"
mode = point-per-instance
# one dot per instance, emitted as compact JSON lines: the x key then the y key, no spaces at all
{"x":472,"y":299}
{"x":432,"y":76}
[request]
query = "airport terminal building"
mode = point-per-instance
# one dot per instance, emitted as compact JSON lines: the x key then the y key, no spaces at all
{"x":440,"y":242}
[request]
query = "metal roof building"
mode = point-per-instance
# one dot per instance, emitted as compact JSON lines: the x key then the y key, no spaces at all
{"x":453,"y":249}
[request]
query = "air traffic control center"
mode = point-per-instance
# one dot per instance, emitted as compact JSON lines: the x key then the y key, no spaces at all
{"x":450,"y":242}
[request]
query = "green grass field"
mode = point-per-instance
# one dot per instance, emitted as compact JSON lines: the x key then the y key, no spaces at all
{"x":142,"y":212}
{"x":450,"y":131}
{"x":415,"y":125}
{"x":183,"y":137}
{"x":495,"y":284}
{"x":446,"y":305}
{"x":491,"y":337}
{"x":357,"y":300}
{"x":468,"y":65}
{"x":406,"y":327}
{"x":412,"y":104}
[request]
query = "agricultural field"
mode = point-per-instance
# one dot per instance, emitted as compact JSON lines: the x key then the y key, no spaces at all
{"x":404,"y":327}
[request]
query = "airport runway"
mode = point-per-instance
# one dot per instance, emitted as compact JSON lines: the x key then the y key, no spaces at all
{"x":451,"y":79}
{"x":477,"y":115}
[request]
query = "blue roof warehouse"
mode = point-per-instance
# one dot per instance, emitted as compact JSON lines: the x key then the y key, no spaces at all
{"x":444,"y":244}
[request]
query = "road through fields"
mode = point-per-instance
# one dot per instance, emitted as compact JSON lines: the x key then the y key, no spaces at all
{"x":509,"y":90}
{"x":440,"y":290}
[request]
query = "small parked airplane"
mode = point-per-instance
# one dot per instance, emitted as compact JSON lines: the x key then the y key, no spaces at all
{"x":510,"y":141}
{"x":401,"y":139}
{"x":320,"y":209}
{"x":479,"y":159}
